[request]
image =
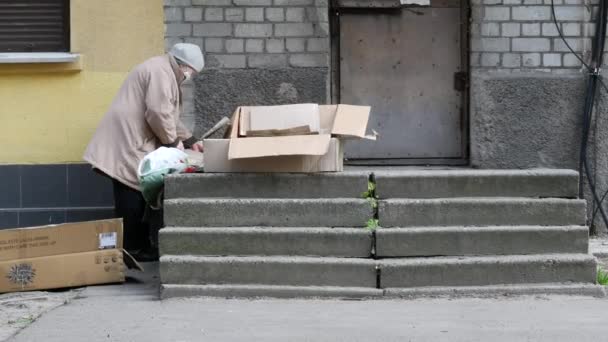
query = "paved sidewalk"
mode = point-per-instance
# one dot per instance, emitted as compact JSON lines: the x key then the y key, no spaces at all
{"x":18,"y":310}
{"x":132,"y":312}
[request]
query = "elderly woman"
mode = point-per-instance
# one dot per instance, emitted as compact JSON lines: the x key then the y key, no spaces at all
{"x":143,"y":116}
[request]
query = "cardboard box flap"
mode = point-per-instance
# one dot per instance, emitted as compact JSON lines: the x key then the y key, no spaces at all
{"x":130,"y":261}
{"x":235,"y":124}
{"x":351,"y":121}
{"x":302,"y":130}
{"x":327,"y":116}
{"x":286,"y":117}
{"x":279,"y":146}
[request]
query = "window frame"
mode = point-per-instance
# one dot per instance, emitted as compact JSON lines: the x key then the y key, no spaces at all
{"x":65,"y":41}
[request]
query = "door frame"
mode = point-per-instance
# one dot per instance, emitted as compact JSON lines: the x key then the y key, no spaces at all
{"x":337,"y":7}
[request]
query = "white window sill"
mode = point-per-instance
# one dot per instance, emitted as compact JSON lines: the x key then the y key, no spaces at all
{"x":38,"y":57}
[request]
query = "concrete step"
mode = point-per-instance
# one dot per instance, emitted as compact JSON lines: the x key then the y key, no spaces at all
{"x":487,"y":270}
{"x":268,"y":291}
{"x":274,"y":291}
{"x":337,"y":242}
{"x":268,"y":270}
{"x":476,"y":183}
{"x":338,"y":212}
{"x":504,"y":240}
{"x":267,"y":185}
{"x":493,"y":291}
{"x":481,"y":212}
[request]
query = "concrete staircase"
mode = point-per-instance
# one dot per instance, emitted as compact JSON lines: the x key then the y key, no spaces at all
{"x":443,"y":232}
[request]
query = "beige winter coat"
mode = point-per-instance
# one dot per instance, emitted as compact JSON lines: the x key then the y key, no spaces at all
{"x":143,"y":116}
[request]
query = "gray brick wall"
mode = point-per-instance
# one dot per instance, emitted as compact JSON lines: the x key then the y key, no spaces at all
{"x":519,"y":35}
{"x":248,"y":35}
{"x":239,"y":34}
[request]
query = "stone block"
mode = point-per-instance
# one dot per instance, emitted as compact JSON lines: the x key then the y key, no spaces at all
{"x":480,"y":212}
{"x":275,"y":45}
{"x":531,"y":59}
{"x":212,"y":2}
{"x":317,"y":45}
{"x":552,"y":60}
{"x":334,"y":212}
{"x":549,"y":30}
{"x":181,"y":3}
{"x":214,"y":45}
{"x":309,"y":60}
{"x":227,"y":61}
{"x":235,"y":45}
{"x":178,"y":30}
{"x":491,"y":45}
{"x":213,"y":30}
{"x":490,"y":29}
{"x":193,"y":14}
{"x":348,"y":184}
{"x":293,"y":30}
{"x":475,"y":183}
{"x":571,"y":29}
{"x":293,"y":2}
{"x":499,"y":13}
{"x":235,"y":14}
{"x":254,"y":45}
{"x":173,"y":14}
{"x":490,"y":59}
{"x":267,"y":61}
{"x":254,"y":14}
{"x":322,"y":242}
{"x":487,"y":270}
{"x":531,"y":29}
{"x":295,"y":14}
{"x":577,"y":44}
{"x":214,"y":14}
{"x":519,"y":140}
{"x":531,"y":44}
{"x":570,"y":13}
{"x":271,"y":270}
{"x":511,"y":29}
{"x":511,"y":60}
{"x":295,"y":44}
{"x":253,"y":30}
{"x":252,"y":2}
{"x":464,"y":241}
{"x":570,"y":60}
{"x":275,"y":14}
{"x":531,"y":13}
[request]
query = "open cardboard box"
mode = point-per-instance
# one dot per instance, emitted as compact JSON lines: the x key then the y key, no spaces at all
{"x":64,"y":255}
{"x":314,"y":152}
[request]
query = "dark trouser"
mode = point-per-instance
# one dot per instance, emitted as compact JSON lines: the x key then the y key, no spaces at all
{"x":141,"y":224}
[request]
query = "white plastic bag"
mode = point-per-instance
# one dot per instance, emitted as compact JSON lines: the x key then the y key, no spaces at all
{"x":153,"y":168}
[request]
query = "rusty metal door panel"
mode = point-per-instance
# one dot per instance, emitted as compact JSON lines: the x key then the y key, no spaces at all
{"x":403,"y":64}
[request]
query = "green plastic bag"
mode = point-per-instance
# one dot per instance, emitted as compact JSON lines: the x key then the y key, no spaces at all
{"x":153,"y":169}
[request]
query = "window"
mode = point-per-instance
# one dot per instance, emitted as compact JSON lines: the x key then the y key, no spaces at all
{"x":34,"y":26}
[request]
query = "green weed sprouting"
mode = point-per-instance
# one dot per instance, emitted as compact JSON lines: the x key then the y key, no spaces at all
{"x":602,"y":276}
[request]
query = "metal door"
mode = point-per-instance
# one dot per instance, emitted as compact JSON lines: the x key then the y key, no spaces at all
{"x":409,"y":65}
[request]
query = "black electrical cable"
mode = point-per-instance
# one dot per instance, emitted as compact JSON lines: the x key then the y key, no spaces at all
{"x":592,"y":82}
{"x":597,"y":59}
{"x":561,"y":34}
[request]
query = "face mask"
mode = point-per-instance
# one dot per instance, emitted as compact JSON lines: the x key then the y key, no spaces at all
{"x":187,"y":76}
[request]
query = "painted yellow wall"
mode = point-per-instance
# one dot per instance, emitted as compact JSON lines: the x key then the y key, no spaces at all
{"x":48,"y":112}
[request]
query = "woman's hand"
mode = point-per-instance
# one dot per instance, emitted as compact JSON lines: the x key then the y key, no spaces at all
{"x":198,"y":146}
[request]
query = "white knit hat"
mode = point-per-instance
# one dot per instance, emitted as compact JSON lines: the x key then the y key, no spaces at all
{"x":189,"y":54}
